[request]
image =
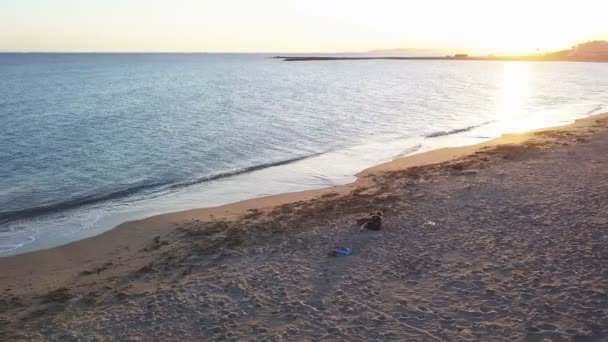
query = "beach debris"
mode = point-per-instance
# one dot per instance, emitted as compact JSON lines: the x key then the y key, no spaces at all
{"x":465,"y":333}
{"x":429,"y":224}
{"x":341,"y":251}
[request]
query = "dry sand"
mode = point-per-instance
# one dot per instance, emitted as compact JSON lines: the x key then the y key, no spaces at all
{"x":504,"y":241}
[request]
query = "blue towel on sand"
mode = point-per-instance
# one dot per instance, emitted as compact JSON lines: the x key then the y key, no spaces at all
{"x":343,"y":251}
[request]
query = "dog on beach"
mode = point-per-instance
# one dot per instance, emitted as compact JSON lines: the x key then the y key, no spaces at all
{"x":373,"y":222}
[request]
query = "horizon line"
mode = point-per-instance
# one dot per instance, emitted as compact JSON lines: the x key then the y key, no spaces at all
{"x":173,"y":52}
{"x":231,"y":52}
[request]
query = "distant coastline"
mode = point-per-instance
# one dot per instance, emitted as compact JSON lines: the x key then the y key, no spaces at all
{"x":595,"y":51}
{"x":446,"y":58}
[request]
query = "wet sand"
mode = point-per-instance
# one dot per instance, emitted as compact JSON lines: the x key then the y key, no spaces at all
{"x":502,"y":241}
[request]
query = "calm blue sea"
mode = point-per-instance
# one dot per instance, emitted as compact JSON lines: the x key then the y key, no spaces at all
{"x":88,"y":141}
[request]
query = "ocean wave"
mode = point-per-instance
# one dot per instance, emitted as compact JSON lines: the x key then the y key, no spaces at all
{"x":240,"y":171}
{"x":409,"y":151}
{"x":76,"y":202}
{"x":153,"y":187}
{"x":458,"y":130}
{"x":596,"y":110}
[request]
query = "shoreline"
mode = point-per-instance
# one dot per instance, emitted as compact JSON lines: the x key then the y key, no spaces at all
{"x":86,"y":209}
{"x":233,"y":210}
{"x":495,"y":229}
{"x":137,"y":231}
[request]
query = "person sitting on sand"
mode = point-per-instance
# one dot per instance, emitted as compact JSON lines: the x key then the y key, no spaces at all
{"x":374,"y":222}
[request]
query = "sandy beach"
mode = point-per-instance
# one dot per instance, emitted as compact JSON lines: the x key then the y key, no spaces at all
{"x":501,"y":241}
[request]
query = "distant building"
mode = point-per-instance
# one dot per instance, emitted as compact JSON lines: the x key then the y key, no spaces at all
{"x":461,"y":55}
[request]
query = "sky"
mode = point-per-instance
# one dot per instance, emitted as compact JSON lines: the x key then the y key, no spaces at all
{"x":488,"y":26}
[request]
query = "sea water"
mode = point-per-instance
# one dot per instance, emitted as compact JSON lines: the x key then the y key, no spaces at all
{"x":88,"y":141}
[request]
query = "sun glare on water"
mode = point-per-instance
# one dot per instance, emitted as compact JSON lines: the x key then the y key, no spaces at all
{"x":513,"y":95}
{"x":512,"y":107}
